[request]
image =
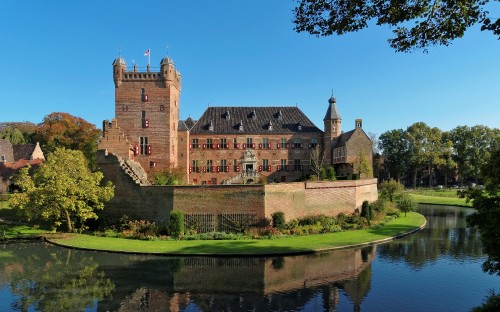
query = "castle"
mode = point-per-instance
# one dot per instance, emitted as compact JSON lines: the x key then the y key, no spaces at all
{"x":226,"y":145}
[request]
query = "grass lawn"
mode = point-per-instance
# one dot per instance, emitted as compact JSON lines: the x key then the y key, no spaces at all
{"x":440,"y":200}
{"x":294,"y":244}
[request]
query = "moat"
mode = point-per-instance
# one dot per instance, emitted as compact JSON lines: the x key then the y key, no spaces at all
{"x":436,"y":269}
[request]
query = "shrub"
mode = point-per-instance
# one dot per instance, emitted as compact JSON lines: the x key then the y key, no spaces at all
{"x":279,"y":220}
{"x":366,"y":211}
{"x":406,"y":203}
{"x":391,"y":189}
{"x":176,"y":224}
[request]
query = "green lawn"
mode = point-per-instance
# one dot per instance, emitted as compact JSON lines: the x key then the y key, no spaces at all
{"x":440,"y":200}
{"x":295,"y":244}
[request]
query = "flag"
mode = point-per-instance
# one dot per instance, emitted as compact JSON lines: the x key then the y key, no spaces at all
{"x":146,"y":53}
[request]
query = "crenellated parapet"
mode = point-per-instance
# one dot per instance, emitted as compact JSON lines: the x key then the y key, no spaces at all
{"x":167,"y":74}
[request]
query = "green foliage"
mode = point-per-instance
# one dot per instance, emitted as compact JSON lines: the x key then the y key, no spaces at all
{"x":62,"y":190}
{"x":13,"y":135}
{"x":278,"y":219}
{"x":167,"y":177}
{"x":491,"y":304}
{"x":390,"y":190}
{"x":405,"y":203}
{"x":328,"y":174}
{"x":176,"y":224}
{"x":486,"y":201}
{"x":394,"y":148}
{"x":366,"y":211}
{"x":362,"y":166}
{"x":415,"y":24}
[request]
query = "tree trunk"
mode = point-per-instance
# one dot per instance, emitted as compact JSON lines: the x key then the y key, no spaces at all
{"x":430,"y":175}
{"x":68,"y":220}
{"x":414,"y":174}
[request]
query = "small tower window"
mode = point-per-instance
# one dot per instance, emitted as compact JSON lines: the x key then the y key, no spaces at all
{"x":240,"y":126}
{"x":211,"y":126}
{"x":227,"y":115}
{"x":299,"y":127}
{"x":279,"y":115}
{"x":144,"y":96}
{"x":270,"y":126}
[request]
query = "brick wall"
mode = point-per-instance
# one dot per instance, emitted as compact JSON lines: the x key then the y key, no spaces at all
{"x":224,"y":203}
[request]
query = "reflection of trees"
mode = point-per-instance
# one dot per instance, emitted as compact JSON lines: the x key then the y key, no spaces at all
{"x":58,"y":281}
{"x":446,"y":234}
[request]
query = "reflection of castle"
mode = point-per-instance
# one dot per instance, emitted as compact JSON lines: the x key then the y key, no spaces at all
{"x":227,"y":144}
{"x":249,"y":284}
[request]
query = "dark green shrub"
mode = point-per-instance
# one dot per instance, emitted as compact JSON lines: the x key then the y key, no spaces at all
{"x":279,"y":220}
{"x":176,"y":224}
{"x":365,"y":211}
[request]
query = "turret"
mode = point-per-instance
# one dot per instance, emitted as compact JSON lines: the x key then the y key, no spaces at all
{"x":119,"y":67}
{"x":332,"y":120}
{"x":168,"y":72}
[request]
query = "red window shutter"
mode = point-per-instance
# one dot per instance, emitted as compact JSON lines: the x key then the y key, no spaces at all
{"x":269,"y":168}
{"x":278,"y":167}
{"x":144,"y":97}
{"x":204,"y":169}
{"x":227,"y":168}
{"x":238,"y":145}
{"x":190,"y":146}
{"x":253,"y":145}
{"x":244,"y":145}
{"x":146,"y":123}
{"x":218,"y":146}
{"x":269,"y":145}
{"x":190,"y":169}
{"x":260,"y":168}
{"x":218,"y":168}
{"x":287,"y":145}
{"x":149,"y":149}
{"x":278,"y":146}
{"x":237,"y":168}
{"x":204,"y":146}
{"x":136,"y":150}
{"x":260,"y":145}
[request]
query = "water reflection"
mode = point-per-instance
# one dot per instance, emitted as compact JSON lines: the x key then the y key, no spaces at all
{"x":36,"y":276}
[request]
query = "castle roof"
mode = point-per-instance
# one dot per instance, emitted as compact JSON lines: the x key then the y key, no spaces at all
{"x":342,"y":139}
{"x":221,"y":120}
{"x":23,"y":151}
{"x":6,"y":153}
{"x":119,"y":61}
{"x":332,"y":111}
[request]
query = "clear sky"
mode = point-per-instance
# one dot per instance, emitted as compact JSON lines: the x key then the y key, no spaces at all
{"x":57,"y":56}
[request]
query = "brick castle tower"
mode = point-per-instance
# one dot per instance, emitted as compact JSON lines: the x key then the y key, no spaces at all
{"x":146,"y":114}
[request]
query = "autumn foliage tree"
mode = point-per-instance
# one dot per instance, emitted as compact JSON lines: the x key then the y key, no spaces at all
{"x":62,"y":190}
{"x":64,"y":130}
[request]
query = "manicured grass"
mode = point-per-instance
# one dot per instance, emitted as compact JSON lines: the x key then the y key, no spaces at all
{"x":294,"y":244}
{"x":445,"y":192}
{"x":439,"y":200}
{"x":20,"y":231}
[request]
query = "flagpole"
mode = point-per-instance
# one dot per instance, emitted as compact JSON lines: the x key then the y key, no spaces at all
{"x":149,"y":56}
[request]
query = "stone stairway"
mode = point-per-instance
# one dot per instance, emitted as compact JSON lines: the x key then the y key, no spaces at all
{"x":251,"y":177}
{"x":135,"y":171}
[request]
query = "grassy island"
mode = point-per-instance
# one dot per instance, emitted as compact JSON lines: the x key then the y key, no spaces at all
{"x":290,"y":245}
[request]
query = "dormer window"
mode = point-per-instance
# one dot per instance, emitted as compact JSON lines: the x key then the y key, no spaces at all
{"x":279,"y":115}
{"x":227,"y":115}
{"x":270,"y":126}
{"x":240,"y":126}
{"x":253,"y":115}
{"x":299,"y":127}
{"x":211,"y":126}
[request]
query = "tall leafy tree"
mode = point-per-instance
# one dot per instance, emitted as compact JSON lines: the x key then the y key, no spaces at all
{"x":394,"y":147}
{"x":63,"y":190}
{"x":13,"y":135}
{"x":416,"y":24}
{"x":448,"y":165}
{"x":65,"y":130}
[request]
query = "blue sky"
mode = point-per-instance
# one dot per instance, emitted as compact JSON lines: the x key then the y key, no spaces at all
{"x":57,"y":56}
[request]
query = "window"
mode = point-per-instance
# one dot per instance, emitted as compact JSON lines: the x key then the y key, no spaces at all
{"x":144,"y":96}
{"x":235,"y":165}
{"x":223,"y":144}
{"x":143,"y":145}
{"x":283,"y":143}
{"x":265,"y":143}
{"x":145,"y":122}
{"x":296,"y":143}
{"x":265,"y":163}
{"x":3,"y":158}
{"x":296,"y":164}
{"x":235,"y":143}
{"x":195,"y":165}
{"x":314,"y":142}
{"x":282,"y":165}
{"x":194,"y":144}
{"x":209,"y":166}
{"x":209,"y":143}
{"x":223,"y":165}
{"x":249,"y":143}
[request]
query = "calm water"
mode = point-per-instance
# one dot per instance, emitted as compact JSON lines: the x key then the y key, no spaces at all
{"x":437,"y":269}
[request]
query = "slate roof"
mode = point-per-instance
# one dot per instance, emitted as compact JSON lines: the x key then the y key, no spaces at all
{"x":226,"y":120}
{"x":342,"y":139}
{"x":11,"y":168}
{"x":332,"y":112}
{"x":23,"y":151}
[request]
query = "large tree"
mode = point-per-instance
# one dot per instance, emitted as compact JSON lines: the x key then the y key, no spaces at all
{"x":62,"y":190}
{"x":65,"y":130}
{"x":487,"y":215}
{"x":417,"y":24}
{"x":394,"y":147}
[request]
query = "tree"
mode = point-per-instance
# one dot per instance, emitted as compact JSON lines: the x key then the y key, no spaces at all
{"x":317,"y":158}
{"x":394,"y":146}
{"x":391,"y":189}
{"x":362,"y":166}
{"x":448,"y":165}
{"x":13,"y":135}
{"x":418,"y":24}
{"x":406,"y":203}
{"x":62,"y":190}
{"x":487,"y":215}
{"x":64,"y":130}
